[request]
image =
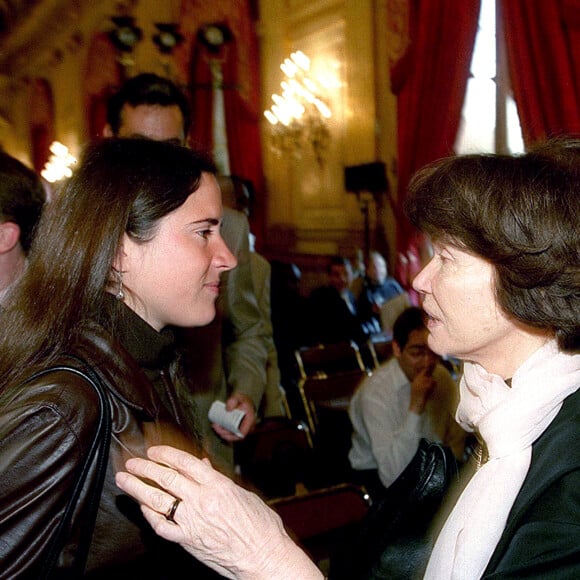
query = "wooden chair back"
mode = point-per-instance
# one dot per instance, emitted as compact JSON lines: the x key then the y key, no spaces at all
{"x":318,"y":519}
{"x":380,"y":348}
{"x":275,"y":456}
{"x":331,"y":391}
{"x":327,"y":359}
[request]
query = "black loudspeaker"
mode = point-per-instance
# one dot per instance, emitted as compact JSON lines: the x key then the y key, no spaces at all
{"x":367,"y":177}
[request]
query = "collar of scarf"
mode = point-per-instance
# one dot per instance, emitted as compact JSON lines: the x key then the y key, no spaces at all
{"x":508,"y":420}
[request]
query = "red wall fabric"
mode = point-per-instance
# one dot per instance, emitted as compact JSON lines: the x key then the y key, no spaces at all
{"x":103,"y":76}
{"x":200,"y":86}
{"x":41,"y":121}
{"x":241,"y":108}
{"x":430,"y":81}
{"x":543,"y":50}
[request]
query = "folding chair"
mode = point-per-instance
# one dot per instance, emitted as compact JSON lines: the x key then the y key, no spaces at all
{"x":331,"y":392}
{"x":380,"y":347}
{"x":275,"y":456}
{"x":327,"y":359}
{"x":318,"y":519}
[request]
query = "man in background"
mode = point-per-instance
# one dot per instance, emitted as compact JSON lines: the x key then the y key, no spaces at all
{"x":377,"y":289}
{"x":410,"y":397}
{"x":225,"y":360}
{"x":22,"y":197}
{"x":332,"y":308}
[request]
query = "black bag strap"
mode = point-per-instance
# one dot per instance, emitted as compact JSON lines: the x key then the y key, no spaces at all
{"x":99,"y":453}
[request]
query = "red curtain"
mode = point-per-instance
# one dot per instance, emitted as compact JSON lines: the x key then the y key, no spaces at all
{"x":242,"y":116}
{"x":201,"y":98}
{"x":42,"y":134}
{"x":243,"y":131}
{"x":543,"y":50}
{"x":102,"y":77}
{"x":430,"y":81}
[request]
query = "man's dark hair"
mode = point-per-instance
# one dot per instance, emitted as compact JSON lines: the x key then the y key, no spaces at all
{"x":338,"y":261}
{"x":410,"y":319}
{"x":22,"y":197}
{"x":147,"y":89}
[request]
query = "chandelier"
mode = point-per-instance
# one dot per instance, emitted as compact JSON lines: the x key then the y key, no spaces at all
{"x":298,"y":117}
{"x":58,"y":167}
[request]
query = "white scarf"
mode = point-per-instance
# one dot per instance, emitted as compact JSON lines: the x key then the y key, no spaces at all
{"x":509,"y":420}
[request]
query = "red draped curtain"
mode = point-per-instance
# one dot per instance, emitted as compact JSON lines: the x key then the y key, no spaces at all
{"x":42,"y":134}
{"x":241,"y":112}
{"x":101,"y":78}
{"x":243,"y":131}
{"x":430,"y":81}
{"x":202,"y":96}
{"x":543,"y":51}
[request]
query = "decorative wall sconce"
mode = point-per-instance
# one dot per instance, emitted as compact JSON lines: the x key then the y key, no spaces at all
{"x":214,"y":36}
{"x":298,"y":117}
{"x":126,"y":35}
{"x":59,"y":165}
{"x":168,"y":38}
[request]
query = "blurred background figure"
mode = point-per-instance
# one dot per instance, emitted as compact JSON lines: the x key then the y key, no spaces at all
{"x":378,"y":288}
{"x":290,"y":327}
{"x":22,"y":197}
{"x":333,"y":315}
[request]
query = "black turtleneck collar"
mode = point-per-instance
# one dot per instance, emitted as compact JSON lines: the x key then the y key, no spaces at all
{"x":151,"y":350}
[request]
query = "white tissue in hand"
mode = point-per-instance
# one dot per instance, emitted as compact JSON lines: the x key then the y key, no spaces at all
{"x":230,"y":420}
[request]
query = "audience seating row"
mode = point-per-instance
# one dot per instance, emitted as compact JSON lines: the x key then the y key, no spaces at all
{"x":301,"y":467}
{"x":327,"y":359}
{"x":284,"y":463}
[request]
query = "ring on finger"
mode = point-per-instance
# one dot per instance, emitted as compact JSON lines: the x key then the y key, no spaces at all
{"x":170,"y":515}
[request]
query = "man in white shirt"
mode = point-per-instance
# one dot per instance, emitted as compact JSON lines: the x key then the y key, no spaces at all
{"x":411,"y":396}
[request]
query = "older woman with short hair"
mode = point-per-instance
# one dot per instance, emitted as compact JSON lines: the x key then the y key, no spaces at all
{"x":501,"y":293}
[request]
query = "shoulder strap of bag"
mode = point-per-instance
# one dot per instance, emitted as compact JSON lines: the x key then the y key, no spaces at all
{"x":98,"y":453}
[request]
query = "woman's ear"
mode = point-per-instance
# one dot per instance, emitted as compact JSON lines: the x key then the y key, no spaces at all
{"x":9,"y":236}
{"x":120,"y":255}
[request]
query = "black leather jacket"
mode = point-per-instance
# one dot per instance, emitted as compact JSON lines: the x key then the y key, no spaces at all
{"x":46,"y":427}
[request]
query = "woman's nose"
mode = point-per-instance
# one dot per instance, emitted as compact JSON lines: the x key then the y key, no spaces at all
{"x":226,"y":259}
{"x":422,"y":281}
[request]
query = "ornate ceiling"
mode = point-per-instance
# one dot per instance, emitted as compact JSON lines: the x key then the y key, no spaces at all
{"x":13,"y":11}
{"x":32,"y":32}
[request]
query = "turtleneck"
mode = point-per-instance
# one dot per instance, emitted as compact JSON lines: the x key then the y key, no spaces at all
{"x":154,"y":352}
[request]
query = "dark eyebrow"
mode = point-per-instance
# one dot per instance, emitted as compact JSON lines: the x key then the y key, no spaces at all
{"x":210,"y":221}
{"x":172,"y":141}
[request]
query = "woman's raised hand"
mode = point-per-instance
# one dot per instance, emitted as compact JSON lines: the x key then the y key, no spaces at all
{"x":225,"y":526}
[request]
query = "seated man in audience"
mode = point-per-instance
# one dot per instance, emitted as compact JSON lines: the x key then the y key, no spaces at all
{"x":332,"y":308}
{"x":409,"y":397}
{"x":377,"y":289}
{"x":22,"y":197}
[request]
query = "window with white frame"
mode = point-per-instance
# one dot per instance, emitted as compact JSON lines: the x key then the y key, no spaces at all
{"x":489,"y":119}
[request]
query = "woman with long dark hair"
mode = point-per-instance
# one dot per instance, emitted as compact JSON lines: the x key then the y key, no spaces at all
{"x":131,"y":246}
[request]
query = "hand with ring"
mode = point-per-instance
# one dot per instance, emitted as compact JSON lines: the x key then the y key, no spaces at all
{"x":223,"y":525}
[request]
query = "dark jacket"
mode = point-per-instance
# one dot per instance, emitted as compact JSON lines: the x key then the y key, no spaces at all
{"x":374,"y":296}
{"x":542,"y":535}
{"x":46,"y":427}
{"x":330,"y":319}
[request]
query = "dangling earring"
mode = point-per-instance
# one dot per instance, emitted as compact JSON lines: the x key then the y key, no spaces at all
{"x":120,"y":295}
